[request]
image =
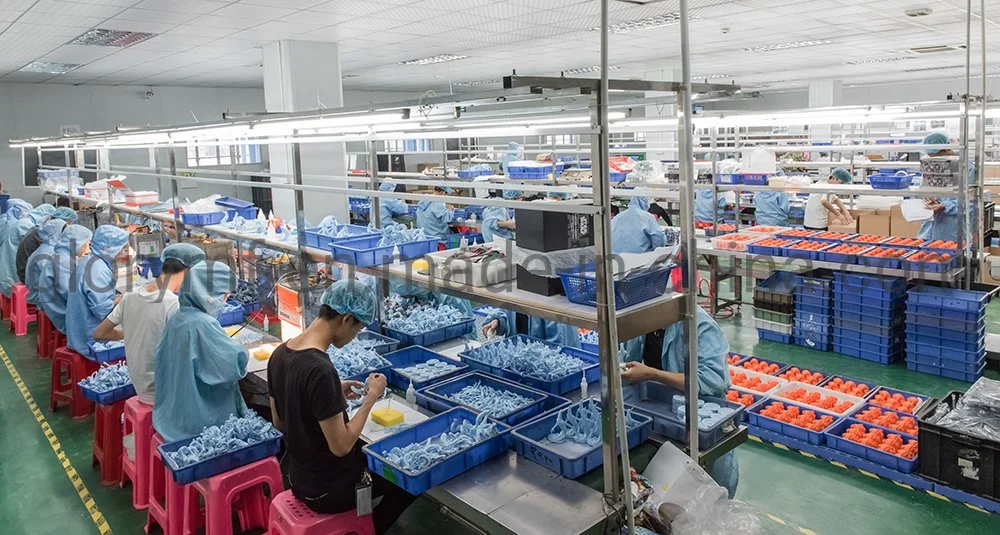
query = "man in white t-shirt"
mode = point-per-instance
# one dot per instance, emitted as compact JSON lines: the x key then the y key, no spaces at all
{"x":142,"y":314}
{"x":821,"y":206}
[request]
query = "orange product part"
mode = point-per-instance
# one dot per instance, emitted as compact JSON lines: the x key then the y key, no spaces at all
{"x":832,"y":235}
{"x":797,"y":417}
{"x":913,"y":242}
{"x":733,"y":358}
{"x":897,"y":402}
{"x":887,"y":252}
{"x":941,"y":244}
{"x":808,"y":245}
{"x":847,"y":249}
{"x":799,"y":233}
{"x":847,"y":387}
{"x":869,"y":238}
{"x":802,"y":376}
{"x":760,"y":366}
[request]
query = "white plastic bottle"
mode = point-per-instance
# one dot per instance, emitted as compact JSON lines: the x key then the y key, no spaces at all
{"x":411,"y":394}
{"x":267,"y":323}
{"x":583,"y":386}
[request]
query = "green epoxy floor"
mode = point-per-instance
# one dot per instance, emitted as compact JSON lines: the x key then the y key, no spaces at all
{"x":36,"y":496}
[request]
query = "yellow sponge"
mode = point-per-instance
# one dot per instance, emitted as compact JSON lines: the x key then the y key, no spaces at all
{"x":262,"y":354}
{"x":387,"y":417}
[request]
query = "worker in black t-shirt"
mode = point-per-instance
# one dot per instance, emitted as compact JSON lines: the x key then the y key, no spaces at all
{"x":324,"y":462}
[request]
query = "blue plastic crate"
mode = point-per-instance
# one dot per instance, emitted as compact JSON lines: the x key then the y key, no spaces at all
{"x":460,"y":214}
{"x":780,"y":282}
{"x":365,"y":252}
{"x":815,"y":327}
{"x":818,"y":302}
{"x":945,"y":372}
{"x":111,"y":396}
{"x":774,"y":336}
{"x":412,"y":355}
{"x":245,"y":213}
{"x":922,"y":320}
{"x":590,"y":348}
{"x":946,"y":336}
{"x":926,"y":248}
{"x":950,"y":364}
{"x":872,"y":356}
{"x":656,"y":401}
{"x":871,"y":386}
{"x":932,"y":345}
{"x":840,"y":258}
{"x":813,"y":340}
{"x":809,"y":313}
{"x":871,"y":329}
{"x":580,"y":286}
{"x":893,"y":181}
{"x":879,"y":262}
{"x":435,"y":336}
{"x":881,"y":282}
{"x":871,"y":342}
{"x":233,"y":317}
{"x":250,"y":308}
{"x":894,"y":462}
{"x":806,"y":254}
{"x":728,"y":178}
{"x":558,"y":387}
{"x":385,"y":344}
{"x":781,"y":365}
{"x":930,"y":311}
{"x":233,"y":203}
{"x":107,"y":355}
{"x":847,"y":236}
{"x":219,"y":464}
{"x":614,"y":176}
{"x":473,"y":173}
{"x":927,"y":267}
{"x":418,"y":482}
{"x":881,"y":320}
{"x":569,"y":459}
{"x":857,"y":297}
{"x":754,"y":179}
{"x":887,"y":315}
{"x":758,"y":398}
{"x":753,"y":248}
{"x":323,"y":241}
{"x":892,"y":392}
{"x":211,"y":218}
{"x":754,"y":417}
{"x":475,"y":210}
{"x":816,"y":283}
{"x":437,"y":397}
{"x":948,"y":298}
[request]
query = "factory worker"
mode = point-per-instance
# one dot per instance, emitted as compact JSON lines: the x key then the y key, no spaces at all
{"x":11,"y":236}
{"x":33,"y":240}
{"x":49,"y":233}
{"x":821,"y":206}
{"x":434,"y":216}
{"x":496,"y":219}
{"x":55,"y":276}
{"x":67,"y":214}
{"x":635,"y":230}
{"x":390,"y":208}
{"x":411,"y":290}
{"x":197,"y":366}
{"x":771,"y":208}
{"x":705,"y":210}
{"x":713,"y":375}
{"x":309,"y":404}
{"x":943,"y":225}
{"x":93,"y":290}
{"x":512,"y":155}
{"x":16,"y":209}
{"x":141,"y":315}
{"x":510,"y":323}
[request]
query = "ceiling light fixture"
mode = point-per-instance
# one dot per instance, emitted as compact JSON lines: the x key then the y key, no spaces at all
{"x":115,"y":38}
{"x":585,"y":70}
{"x":712,"y":76}
{"x":49,"y":67}
{"x":925,"y":69}
{"x":430,"y":60}
{"x":474,"y":83}
{"x":871,"y":61}
{"x":659,"y":21}
{"x":786,"y":46}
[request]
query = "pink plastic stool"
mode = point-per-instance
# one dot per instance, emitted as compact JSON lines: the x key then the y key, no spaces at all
{"x":289,"y":516}
{"x":21,"y":313}
{"x":166,"y":497}
{"x":76,"y":368}
{"x":4,"y":307}
{"x":138,"y":422}
{"x":240,"y":489}
{"x":45,"y":336}
{"x":107,"y":451}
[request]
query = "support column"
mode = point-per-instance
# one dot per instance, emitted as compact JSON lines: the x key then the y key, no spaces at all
{"x":824,"y":94}
{"x":300,"y":76}
{"x":668,"y":137}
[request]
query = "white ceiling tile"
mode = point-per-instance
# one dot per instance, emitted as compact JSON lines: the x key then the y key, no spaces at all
{"x":356,"y":8}
{"x":216,"y":21}
{"x":149,"y":15}
{"x":58,"y":33}
{"x":29,"y":77}
{"x":9,"y":15}
{"x":136,"y":26}
{"x":53,"y":19}
{"x":317,"y":17}
{"x":60,"y":7}
{"x":247,"y":11}
{"x":291,"y":4}
{"x":182,"y":6}
{"x":17,"y":5}
{"x":78,"y":54}
{"x":187,"y":30}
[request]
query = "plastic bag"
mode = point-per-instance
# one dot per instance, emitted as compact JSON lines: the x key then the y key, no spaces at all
{"x":721,"y":518}
{"x":647,"y":171}
{"x":984,"y":393}
{"x":760,"y":160}
{"x":205,"y":205}
{"x":973,"y":421}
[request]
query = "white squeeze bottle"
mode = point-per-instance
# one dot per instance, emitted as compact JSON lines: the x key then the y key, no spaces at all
{"x":583,"y":386}
{"x":267,"y":323}
{"x":411,"y":394}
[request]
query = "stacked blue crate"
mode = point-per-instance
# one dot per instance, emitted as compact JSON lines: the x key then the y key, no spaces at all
{"x":868,"y":314}
{"x":814,"y":309}
{"x":946,"y":332}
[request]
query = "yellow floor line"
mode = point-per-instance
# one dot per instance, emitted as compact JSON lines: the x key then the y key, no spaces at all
{"x":81,"y":488}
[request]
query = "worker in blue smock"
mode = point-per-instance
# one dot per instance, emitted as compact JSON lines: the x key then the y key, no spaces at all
{"x":771,"y":208}
{"x":411,"y":290}
{"x":509,"y":323}
{"x":512,"y":155}
{"x":49,"y":233}
{"x":93,"y":295}
{"x":635,"y":230}
{"x":54,"y":279}
{"x":943,"y":225}
{"x":67,"y":214}
{"x":434,"y":216}
{"x":713,"y":375}
{"x":705,"y":211}
{"x":390,"y":208}
{"x":497,"y":222}
{"x":10,"y":240}
{"x":198,"y":367}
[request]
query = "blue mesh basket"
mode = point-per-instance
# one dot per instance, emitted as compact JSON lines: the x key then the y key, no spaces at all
{"x":580,"y":285}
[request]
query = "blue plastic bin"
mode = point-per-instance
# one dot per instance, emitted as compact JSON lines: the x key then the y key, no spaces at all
{"x":924,"y":320}
{"x":811,"y":313}
{"x":872,"y":356}
{"x":962,"y":366}
{"x":728,"y":178}
{"x":815,"y":327}
{"x":569,"y":459}
{"x":879,"y":262}
{"x":580,"y":285}
{"x":868,"y":328}
{"x":614,"y":176}
{"x":754,"y":179}
{"x":871,"y":386}
{"x":934,"y":346}
{"x":557,"y":386}
{"x":436,"y":336}
{"x":892,"y":391}
{"x":219,"y":464}
{"x":250,"y":308}
{"x":655,"y":400}
{"x":852,"y":311}
{"x":211,"y":218}
{"x":884,"y":181}
{"x":807,"y":254}
{"x":969,"y":377}
{"x":107,"y":355}
{"x":322,"y":241}
{"x":810,"y":301}
{"x":420,"y":481}
{"x":781,"y":282}
{"x":412,"y":355}
{"x":365,"y":252}
{"x":848,"y":290}
{"x":876,"y":342}
{"x":847,"y":236}
{"x":774,"y":336}
{"x":781,"y":365}
{"x":840,"y":258}
{"x":930,"y":311}
{"x":815,"y":283}
{"x":232,"y":317}
{"x":437,"y":397}
{"x":385,"y":344}
{"x":948,"y":298}
{"x":111,"y":396}
{"x":880,"y":282}
{"x":233,"y":203}
{"x":893,"y":462}
{"x":927,"y":267}
{"x":755,"y":417}
{"x":946,"y":336}
{"x":813,"y":340}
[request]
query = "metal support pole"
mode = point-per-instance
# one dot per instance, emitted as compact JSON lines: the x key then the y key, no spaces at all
{"x":175,"y":195}
{"x":964,"y":236}
{"x":154,"y":160}
{"x":687,"y":226}
{"x":300,"y":223}
{"x":980,"y":227}
{"x":375,"y":217}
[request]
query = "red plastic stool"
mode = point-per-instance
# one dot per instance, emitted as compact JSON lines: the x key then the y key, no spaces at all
{"x":58,"y":340}
{"x":4,"y":307}
{"x":289,"y":516}
{"x":44,"y":336}
{"x":77,"y":368}
{"x":21,"y":313}
{"x":138,"y":422}
{"x":241,"y":490}
{"x":107,"y":450}
{"x":166,"y":497}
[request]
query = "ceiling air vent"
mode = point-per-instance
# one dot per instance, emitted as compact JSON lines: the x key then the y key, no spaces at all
{"x":116,"y":38}
{"x":49,"y":67}
{"x":932,"y":49}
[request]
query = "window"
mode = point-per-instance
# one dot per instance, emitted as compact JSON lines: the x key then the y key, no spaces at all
{"x":209,"y":155}
{"x":409,"y":145}
{"x":562,"y":139}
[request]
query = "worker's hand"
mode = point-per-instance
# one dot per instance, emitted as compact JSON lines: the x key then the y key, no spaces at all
{"x":376,"y":386}
{"x":346,"y":387}
{"x":934,"y":207}
{"x":636,"y":372}
{"x":490,"y":329}
{"x":509,"y":223}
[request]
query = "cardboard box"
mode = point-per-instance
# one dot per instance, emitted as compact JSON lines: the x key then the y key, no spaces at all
{"x":874,"y":222}
{"x":834,"y":226}
{"x":990,"y":270}
{"x":900,"y":227}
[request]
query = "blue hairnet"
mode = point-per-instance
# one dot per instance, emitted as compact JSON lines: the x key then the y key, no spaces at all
{"x":66,"y":214}
{"x":641,"y":203}
{"x":50,"y":231}
{"x":18,"y":208}
{"x":513,"y":146}
{"x":446,"y":189}
{"x":73,"y":238}
{"x":512,"y":194}
{"x":935,"y":138}
{"x":387,"y":185}
{"x":351,"y":297}
{"x":40,"y":214}
{"x":185,"y":253}
{"x":108,"y":241}
{"x":205,"y":286}
{"x":842,"y":175}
